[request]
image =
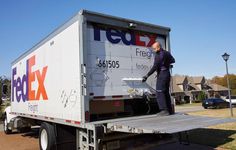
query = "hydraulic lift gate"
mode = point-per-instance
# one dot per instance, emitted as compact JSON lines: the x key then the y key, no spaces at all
{"x":167,"y":124}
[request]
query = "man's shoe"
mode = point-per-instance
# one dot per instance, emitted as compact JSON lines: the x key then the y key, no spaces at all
{"x":163,"y":113}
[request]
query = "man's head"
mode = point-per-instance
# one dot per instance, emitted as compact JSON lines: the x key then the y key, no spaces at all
{"x":156,"y":46}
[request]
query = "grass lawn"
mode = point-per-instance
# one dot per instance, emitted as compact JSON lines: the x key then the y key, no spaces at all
{"x":219,"y":136}
{"x":188,"y":104}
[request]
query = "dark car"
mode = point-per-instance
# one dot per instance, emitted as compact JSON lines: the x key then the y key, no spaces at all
{"x":214,"y":103}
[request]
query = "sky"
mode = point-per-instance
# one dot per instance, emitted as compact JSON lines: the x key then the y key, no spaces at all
{"x":201,"y":30}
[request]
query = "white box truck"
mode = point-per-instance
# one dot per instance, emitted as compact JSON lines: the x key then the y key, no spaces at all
{"x":82,"y":85}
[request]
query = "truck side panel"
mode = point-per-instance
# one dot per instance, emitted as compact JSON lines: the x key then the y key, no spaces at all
{"x":46,"y":82}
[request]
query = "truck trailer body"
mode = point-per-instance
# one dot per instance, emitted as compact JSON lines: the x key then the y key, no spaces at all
{"x":83,"y":81}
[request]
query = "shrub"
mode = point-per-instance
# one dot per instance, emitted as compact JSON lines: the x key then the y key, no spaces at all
{"x":201,"y":96}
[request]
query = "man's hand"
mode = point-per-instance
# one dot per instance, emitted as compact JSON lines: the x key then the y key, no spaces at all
{"x":144,"y":79}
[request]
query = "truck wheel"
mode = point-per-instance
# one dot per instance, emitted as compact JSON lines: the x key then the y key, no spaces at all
{"x":47,"y":137}
{"x":5,"y":126}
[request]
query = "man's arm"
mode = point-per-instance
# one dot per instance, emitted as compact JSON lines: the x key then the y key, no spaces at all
{"x":153,"y":69}
{"x":156,"y":66}
{"x":171,"y":58}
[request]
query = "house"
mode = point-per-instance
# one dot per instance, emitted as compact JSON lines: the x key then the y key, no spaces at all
{"x":187,"y":89}
{"x":217,"y":90}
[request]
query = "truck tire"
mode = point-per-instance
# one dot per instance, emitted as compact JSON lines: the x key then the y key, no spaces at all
{"x":5,"y":126}
{"x":47,"y":137}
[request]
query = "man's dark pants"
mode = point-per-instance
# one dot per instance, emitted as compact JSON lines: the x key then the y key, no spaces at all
{"x":162,"y":87}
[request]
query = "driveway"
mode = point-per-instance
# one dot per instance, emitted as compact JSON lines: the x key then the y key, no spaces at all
{"x":16,"y":141}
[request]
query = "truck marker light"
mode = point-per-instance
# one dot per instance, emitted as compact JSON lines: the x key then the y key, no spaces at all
{"x":68,"y":121}
{"x":77,"y":122}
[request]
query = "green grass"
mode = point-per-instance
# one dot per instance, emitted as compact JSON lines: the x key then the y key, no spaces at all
{"x":224,"y":113}
{"x":193,"y":104}
{"x":218,"y":136}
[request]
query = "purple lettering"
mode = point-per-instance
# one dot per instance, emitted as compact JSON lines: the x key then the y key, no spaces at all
{"x":124,"y":38}
{"x":111,"y":34}
{"x":115,"y":36}
{"x":97,"y":36}
{"x":18,"y":89}
{"x":13,"y":84}
{"x":22,"y":85}
{"x":24,"y":91}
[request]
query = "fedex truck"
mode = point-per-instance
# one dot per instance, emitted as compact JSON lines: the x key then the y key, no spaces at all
{"x":82,"y":85}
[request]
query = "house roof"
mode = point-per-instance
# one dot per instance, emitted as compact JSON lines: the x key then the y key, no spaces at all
{"x":217,"y":87}
{"x":193,"y":82}
{"x":179,"y":79}
{"x":176,"y":88}
{"x":194,"y":86}
{"x":196,"y":80}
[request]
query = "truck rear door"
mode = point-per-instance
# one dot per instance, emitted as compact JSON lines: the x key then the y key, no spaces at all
{"x":115,"y":53}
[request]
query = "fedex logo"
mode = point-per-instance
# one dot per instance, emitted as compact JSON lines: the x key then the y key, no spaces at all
{"x":115,"y":36}
{"x":22,"y":86}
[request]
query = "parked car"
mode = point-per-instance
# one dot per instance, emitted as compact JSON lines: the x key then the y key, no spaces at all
{"x":215,"y":103}
{"x":233,"y":99}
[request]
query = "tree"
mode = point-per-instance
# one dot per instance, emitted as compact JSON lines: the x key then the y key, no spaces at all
{"x":0,"y":90}
{"x":7,"y":83}
{"x":201,"y":96}
{"x":223,"y":81}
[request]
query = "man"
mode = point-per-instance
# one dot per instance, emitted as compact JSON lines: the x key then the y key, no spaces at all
{"x":162,"y":62}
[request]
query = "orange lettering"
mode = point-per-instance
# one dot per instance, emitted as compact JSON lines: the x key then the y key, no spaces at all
{"x":41,"y":88}
{"x":31,"y":78}
{"x":138,"y":41}
{"x":152,"y":40}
